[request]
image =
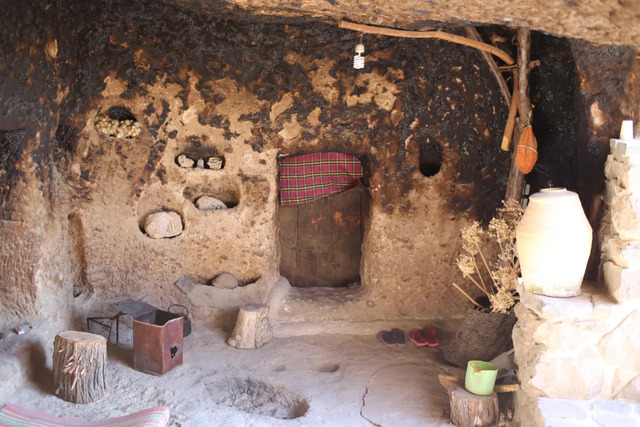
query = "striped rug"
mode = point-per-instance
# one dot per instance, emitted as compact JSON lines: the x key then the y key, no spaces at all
{"x":16,"y":416}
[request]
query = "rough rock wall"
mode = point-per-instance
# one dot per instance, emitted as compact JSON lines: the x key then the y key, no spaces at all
{"x":249,"y":92}
{"x":608,"y":93}
{"x":34,"y":261}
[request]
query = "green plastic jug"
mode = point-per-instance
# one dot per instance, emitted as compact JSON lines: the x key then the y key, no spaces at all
{"x":481,"y":377}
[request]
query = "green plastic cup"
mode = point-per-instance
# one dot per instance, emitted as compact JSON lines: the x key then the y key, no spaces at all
{"x":480,"y":377}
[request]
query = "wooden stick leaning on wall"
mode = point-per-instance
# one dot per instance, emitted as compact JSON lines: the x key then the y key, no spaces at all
{"x":516,"y":178}
{"x":392,"y":32}
{"x":510,"y":100}
{"x":493,"y":67}
{"x":511,"y":119}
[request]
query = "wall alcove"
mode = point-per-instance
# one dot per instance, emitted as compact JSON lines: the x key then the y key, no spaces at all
{"x":118,"y":122}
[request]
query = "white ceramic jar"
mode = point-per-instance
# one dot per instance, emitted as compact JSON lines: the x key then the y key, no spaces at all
{"x":554,"y":243}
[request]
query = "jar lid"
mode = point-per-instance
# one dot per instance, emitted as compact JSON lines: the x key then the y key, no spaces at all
{"x":553,"y":195}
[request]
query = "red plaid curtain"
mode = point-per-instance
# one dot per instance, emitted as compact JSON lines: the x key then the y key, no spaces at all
{"x":310,"y":177}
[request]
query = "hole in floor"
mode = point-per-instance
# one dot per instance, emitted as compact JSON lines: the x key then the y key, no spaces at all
{"x":261,"y":398}
{"x":328,"y":367}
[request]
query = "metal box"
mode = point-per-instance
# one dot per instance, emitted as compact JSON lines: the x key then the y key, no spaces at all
{"x":157,"y":342}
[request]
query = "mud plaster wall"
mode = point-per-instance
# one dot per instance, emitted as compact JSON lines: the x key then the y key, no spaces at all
{"x":250,"y":92}
{"x":34,"y":259}
{"x":265,"y":91}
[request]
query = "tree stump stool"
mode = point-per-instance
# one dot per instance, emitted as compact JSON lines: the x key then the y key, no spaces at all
{"x":252,"y":327}
{"x":472,"y":410}
{"x":79,"y":362}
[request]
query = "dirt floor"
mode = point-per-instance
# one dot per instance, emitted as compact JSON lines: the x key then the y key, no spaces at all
{"x":313,"y":380}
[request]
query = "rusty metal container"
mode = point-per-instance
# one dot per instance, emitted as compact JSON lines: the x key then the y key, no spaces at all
{"x":157,"y":342}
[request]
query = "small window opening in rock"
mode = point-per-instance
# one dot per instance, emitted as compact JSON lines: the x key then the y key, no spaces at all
{"x":120,"y":113}
{"x":430,"y":158}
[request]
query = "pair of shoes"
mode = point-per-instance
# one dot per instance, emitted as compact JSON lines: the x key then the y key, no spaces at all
{"x":424,"y":337}
{"x":392,"y":338}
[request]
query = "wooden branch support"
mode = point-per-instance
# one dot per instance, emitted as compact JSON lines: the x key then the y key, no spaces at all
{"x":79,"y":362}
{"x":516,"y":178}
{"x":392,"y":32}
{"x":252,"y":327}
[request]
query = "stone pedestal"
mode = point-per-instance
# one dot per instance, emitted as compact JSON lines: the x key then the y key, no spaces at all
{"x":584,"y":349}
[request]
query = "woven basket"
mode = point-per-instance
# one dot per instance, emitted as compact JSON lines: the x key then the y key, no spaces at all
{"x":482,"y":336}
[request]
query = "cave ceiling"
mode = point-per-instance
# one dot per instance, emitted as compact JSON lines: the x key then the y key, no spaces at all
{"x":598,"y":21}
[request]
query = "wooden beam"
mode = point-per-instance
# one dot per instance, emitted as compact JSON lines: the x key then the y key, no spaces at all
{"x":392,"y":32}
{"x":524,"y":46}
{"x":493,"y":67}
{"x":516,"y":178}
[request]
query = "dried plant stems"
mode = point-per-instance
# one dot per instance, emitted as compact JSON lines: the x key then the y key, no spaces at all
{"x":485,"y":265}
{"x":467,"y":295}
{"x":483,"y":288}
{"x":504,"y":275}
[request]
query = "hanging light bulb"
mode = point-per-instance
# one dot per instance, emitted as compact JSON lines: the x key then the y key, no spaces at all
{"x":358,"y":59}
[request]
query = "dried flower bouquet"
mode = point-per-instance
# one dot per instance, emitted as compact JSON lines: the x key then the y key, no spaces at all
{"x":496,"y":279}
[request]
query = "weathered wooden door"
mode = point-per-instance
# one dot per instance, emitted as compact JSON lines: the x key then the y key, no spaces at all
{"x":321,"y":241}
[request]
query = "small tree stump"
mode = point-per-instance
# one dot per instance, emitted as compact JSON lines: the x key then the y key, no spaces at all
{"x":472,"y":410}
{"x":79,"y":362}
{"x":252,"y":327}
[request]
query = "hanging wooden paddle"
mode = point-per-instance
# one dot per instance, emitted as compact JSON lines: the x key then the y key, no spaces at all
{"x":527,"y":151}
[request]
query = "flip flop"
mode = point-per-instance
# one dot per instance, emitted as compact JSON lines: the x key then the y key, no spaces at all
{"x":417,"y":337}
{"x":399,"y":337}
{"x":386,"y":337}
{"x":430,"y":336}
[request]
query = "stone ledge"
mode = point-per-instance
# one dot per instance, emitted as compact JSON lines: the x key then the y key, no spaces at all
{"x":578,"y":307}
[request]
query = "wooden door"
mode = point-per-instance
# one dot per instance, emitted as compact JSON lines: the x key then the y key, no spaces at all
{"x":321,"y":241}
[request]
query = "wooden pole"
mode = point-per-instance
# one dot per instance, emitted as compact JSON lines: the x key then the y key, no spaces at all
{"x":392,"y":32}
{"x":516,"y":178}
{"x":79,"y":362}
{"x":524,"y":47}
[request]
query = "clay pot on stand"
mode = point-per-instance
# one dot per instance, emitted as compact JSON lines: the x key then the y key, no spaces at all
{"x":554,"y":243}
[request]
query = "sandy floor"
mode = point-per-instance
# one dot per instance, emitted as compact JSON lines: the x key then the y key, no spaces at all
{"x":319,"y":380}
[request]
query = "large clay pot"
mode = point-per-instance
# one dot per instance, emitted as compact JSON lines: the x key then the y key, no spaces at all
{"x":554,"y":242}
